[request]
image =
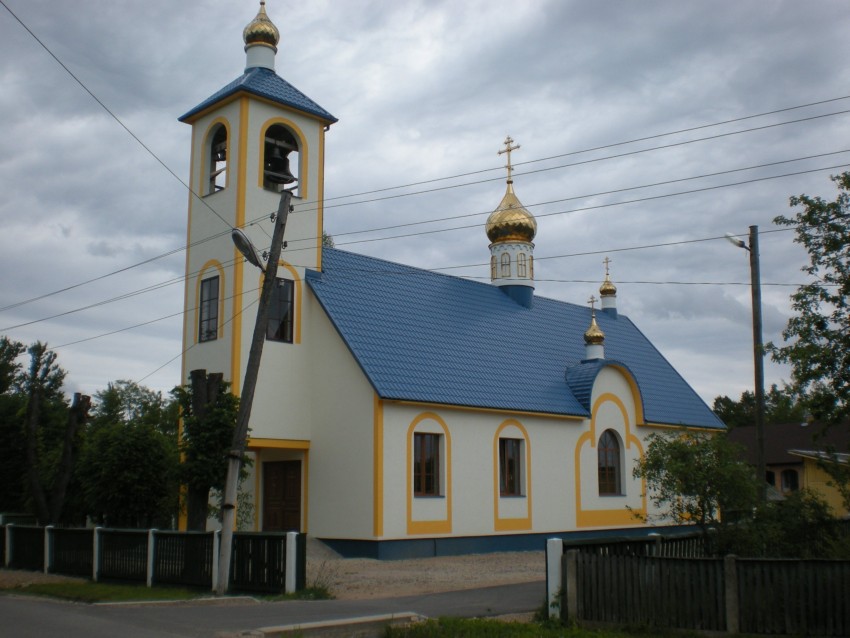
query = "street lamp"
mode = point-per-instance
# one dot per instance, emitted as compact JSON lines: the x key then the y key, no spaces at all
{"x":758,"y":352}
{"x":240,"y":434}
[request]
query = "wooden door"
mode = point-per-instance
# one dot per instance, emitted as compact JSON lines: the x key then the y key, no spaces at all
{"x":282,"y":496}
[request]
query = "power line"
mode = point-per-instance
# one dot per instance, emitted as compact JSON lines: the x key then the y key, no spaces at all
{"x":112,"y":114}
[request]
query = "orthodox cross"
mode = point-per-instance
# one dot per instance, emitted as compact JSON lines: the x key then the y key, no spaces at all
{"x":592,"y":301}
{"x":606,"y":261}
{"x":508,"y":148}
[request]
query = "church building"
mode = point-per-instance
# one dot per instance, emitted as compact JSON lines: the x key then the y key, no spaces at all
{"x":401,"y":412}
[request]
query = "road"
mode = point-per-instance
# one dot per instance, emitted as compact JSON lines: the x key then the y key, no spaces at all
{"x":28,"y":617}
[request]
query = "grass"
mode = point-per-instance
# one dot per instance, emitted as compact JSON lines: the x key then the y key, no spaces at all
{"x":485,"y":628}
{"x":89,"y":592}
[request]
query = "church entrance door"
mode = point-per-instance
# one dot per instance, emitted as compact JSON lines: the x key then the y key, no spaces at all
{"x":282,"y":496}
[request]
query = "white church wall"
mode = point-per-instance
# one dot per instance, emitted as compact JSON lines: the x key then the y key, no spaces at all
{"x":341,"y":446}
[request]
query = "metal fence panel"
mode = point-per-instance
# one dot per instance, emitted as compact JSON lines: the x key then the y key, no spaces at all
{"x":183,"y":558}
{"x":258,"y":562}
{"x":73,"y":551}
{"x":123,"y":555}
{"x":27,"y":547}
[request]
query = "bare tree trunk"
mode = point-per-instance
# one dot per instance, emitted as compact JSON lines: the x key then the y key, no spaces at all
{"x":42,"y":511}
{"x":77,"y":415}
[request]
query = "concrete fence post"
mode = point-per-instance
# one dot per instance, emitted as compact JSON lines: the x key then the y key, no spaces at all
{"x":730,"y":577}
{"x":554,"y":553}
{"x":571,"y":586}
{"x":95,"y":557}
{"x":290,"y":580}
{"x":655,"y":549}
{"x":151,"y":555}
{"x":48,"y":548}
{"x":215,"y":555}
{"x":9,"y":529}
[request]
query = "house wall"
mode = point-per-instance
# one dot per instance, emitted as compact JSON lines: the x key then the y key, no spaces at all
{"x":816,"y":479}
{"x":560,"y":483}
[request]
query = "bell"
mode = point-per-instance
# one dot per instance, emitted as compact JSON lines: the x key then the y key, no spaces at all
{"x":277,"y":167}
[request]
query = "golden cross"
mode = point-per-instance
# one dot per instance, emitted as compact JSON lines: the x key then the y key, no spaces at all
{"x":592,"y":301}
{"x":606,"y":261}
{"x":508,"y":148}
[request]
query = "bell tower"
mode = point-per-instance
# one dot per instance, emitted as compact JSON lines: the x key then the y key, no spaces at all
{"x":249,"y":140}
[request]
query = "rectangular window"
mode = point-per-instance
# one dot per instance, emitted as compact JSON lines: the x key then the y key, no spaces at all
{"x":510,"y":467}
{"x":208,"y":310}
{"x":279,"y":327}
{"x":426,"y":464}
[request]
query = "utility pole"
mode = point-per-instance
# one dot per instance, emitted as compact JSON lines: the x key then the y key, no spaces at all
{"x":758,"y":360}
{"x":240,"y":435}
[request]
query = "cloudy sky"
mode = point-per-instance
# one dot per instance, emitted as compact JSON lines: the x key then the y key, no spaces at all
{"x":643,"y":126}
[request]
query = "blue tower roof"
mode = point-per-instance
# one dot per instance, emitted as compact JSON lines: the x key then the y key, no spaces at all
{"x":427,"y":337}
{"x":267,"y":84}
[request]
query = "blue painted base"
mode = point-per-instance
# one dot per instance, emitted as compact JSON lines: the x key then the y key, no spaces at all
{"x":458,"y":545}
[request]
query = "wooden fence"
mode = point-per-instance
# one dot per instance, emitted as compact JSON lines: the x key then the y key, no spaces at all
{"x":261,"y":562}
{"x":796,"y":597}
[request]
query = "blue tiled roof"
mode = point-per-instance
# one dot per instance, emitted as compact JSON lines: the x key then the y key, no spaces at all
{"x":424,"y":336}
{"x":267,"y":84}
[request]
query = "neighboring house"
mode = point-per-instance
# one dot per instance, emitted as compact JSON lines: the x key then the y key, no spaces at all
{"x":400,"y":411}
{"x":792,"y":452}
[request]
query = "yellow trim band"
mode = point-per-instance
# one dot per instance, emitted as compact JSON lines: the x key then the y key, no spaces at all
{"x":437,"y":526}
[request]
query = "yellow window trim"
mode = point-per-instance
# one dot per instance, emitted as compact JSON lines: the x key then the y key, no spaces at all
{"x":303,"y":154}
{"x":204,"y":175}
{"x":511,"y":524}
{"x":437,"y":526}
{"x":603,"y":517}
{"x":211,"y":264}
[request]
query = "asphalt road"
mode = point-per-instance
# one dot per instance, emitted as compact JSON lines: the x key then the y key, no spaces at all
{"x":27,"y":617}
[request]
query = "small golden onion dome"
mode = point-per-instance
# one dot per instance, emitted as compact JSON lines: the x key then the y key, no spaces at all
{"x":261,"y":30}
{"x":511,"y":221}
{"x":607,"y":289}
{"x":594,"y":335}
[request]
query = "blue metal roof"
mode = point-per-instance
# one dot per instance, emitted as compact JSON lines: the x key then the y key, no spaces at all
{"x":424,"y":336}
{"x":267,"y":84}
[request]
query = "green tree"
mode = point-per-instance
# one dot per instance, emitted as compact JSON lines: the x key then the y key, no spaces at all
{"x":128,"y":470}
{"x":818,"y":336}
{"x":780,"y":406}
{"x":208,"y":411}
{"x":13,"y":466}
{"x":53,"y":432}
{"x":692,"y":477}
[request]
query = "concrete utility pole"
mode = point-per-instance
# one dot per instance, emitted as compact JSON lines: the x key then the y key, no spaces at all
{"x":240,"y":435}
{"x":758,"y":359}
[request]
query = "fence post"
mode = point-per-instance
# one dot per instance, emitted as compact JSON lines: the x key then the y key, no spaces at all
{"x":730,"y":576}
{"x":554,"y":552}
{"x":95,"y":562}
{"x":290,"y":580}
{"x":655,"y":549}
{"x":215,"y":551}
{"x":571,"y":586}
{"x":9,"y":527}
{"x":48,"y":548}
{"x":151,"y":552}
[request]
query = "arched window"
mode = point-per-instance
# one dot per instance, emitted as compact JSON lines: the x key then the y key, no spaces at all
{"x":609,"y":464}
{"x":280,"y":156}
{"x":521,"y":264}
{"x":217,"y":154}
{"x":531,"y":266}
{"x":281,"y":320}
{"x":493,"y":274}
{"x":506,"y":265}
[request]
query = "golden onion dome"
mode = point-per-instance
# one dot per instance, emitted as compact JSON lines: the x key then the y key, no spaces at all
{"x":511,"y":221}
{"x":594,"y":335}
{"x":261,"y":30}
{"x":607,"y":289}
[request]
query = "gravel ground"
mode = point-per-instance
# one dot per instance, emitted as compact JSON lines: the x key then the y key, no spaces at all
{"x":361,"y":578}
